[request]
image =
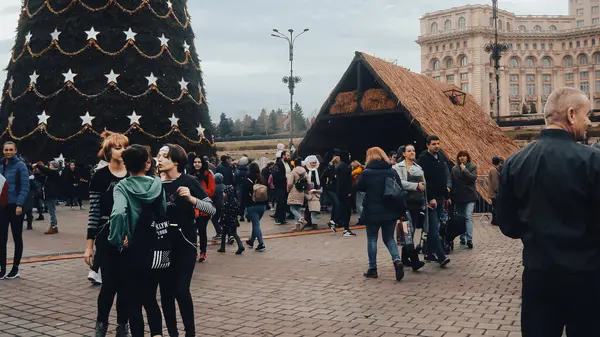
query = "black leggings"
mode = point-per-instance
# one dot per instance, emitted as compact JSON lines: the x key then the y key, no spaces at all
{"x":143,"y":294}
{"x":9,"y":217}
{"x":175,"y":282}
{"x":202,"y":223}
{"x":113,"y":283}
{"x":231,"y":231}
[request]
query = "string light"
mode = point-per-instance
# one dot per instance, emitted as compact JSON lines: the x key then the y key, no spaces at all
{"x":93,"y":43}
{"x":143,"y":3}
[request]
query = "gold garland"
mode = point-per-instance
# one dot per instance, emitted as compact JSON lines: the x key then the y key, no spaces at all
{"x":93,"y":43}
{"x":135,"y":127}
{"x":142,"y":4}
{"x":69,"y":86}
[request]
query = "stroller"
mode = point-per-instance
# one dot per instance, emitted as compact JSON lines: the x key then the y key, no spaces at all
{"x":451,"y":226}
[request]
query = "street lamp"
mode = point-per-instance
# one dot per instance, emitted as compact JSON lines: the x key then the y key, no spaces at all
{"x":291,"y":80}
{"x":496,"y":49}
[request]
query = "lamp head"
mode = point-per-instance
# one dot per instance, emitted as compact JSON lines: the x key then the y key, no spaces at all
{"x":275,"y":30}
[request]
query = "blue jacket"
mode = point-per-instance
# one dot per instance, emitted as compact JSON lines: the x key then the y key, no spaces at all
{"x":13,"y":170}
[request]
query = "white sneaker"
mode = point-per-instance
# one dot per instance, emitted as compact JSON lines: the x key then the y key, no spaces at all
{"x":348,"y":233}
{"x":94,"y":277}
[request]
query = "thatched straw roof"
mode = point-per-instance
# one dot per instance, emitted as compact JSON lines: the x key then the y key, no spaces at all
{"x":460,"y":127}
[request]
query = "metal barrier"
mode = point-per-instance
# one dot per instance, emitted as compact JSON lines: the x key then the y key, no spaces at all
{"x":483,"y":209}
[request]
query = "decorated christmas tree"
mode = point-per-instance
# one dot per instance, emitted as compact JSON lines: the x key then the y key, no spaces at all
{"x":79,"y":67}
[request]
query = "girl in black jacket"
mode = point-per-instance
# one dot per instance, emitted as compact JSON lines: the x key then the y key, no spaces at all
{"x":229,"y":221}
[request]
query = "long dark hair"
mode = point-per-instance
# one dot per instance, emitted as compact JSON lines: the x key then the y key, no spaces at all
{"x":201,"y":174}
{"x":254,"y":173}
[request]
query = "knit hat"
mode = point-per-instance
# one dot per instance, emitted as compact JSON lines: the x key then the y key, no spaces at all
{"x":243,"y":161}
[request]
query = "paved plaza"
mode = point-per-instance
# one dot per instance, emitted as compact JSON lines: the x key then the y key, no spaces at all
{"x":308,"y":285}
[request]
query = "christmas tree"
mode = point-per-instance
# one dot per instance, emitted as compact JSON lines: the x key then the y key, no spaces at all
{"x":79,"y":67}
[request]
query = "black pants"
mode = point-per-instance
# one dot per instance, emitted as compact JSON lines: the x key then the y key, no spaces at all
{"x":494,"y":220}
{"x":215,"y":221}
{"x":554,"y":300}
{"x":175,"y":283}
{"x":75,"y":201}
{"x":202,"y":224}
{"x":231,"y":231}
{"x":143,"y":294}
{"x":281,"y":209}
{"x":345,"y":211}
{"x":114,"y":282}
{"x":8,"y":217}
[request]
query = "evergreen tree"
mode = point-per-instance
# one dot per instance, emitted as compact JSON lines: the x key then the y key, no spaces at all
{"x":273,"y":127}
{"x":225,"y":128}
{"x":247,"y":121}
{"x":263,"y":122}
{"x":298,"y":118}
{"x":239,"y":127}
{"x":80,"y":67}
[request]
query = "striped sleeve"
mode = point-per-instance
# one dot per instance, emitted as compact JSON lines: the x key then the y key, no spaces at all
{"x":206,"y":206}
{"x":94,"y":217}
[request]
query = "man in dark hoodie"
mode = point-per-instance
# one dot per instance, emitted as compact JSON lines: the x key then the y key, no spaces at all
{"x":280,"y":182}
{"x":437,"y":184}
{"x":226,"y":170}
{"x":343,"y":173}
{"x":241,"y":174}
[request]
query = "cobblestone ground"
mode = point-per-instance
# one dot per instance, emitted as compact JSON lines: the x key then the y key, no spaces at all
{"x":301,"y":286}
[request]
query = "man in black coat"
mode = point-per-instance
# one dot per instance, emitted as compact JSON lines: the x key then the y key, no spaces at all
{"x":437,"y":185}
{"x":226,"y":170}
{"x":280,"y":172}
{"x":52,"y":191}
{"x":548,"y":198}
{"x":343,"y":174}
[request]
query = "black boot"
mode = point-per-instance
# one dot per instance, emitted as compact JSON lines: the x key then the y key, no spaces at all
{"x":405,"y":257}
{"x":399,"y":270}
{"x":414,"y":259}
{"x":123,"y":330}
{"x":371,"y":273}
{"x":40,"y":217}
{"x":101,"y":329}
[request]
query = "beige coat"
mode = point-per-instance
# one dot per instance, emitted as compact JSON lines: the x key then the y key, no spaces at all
{"x":314,"y":199}
{"x":493,"y":182}
{"x":296,"y":197}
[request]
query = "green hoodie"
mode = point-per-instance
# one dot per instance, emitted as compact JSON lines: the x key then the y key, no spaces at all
{"x":129,"y":196}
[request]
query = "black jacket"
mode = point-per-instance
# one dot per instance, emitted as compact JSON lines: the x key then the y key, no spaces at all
{"x":329,"y":179}
{"x":437,"y":175}
{"x":227,"y":171}
{"x":372,"y":182}
{"x":52,"y":182}
{"x":548,"y":198}
{"x":279,"y":174}
{"x":241,"y":173}
{"x":343,"y":174}
{"x":463,"y":184}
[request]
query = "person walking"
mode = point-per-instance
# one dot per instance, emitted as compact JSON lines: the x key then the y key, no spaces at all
{"x":226,"y":169}
{"x":280,"y":172}
{"x":52,"y":187}
{"x":313,"y":198}
{"x":551,"y":208}
{"x":343,"y":174}
{"x":494,"y":186}
{"x":379,"y":213}
{"x":297,"y":189}
{"x":229,"y":219}
{"x":464,"y":193}
{"x":14,"y":170}
{"x":437,"y":175}
{"x":255,"y":208}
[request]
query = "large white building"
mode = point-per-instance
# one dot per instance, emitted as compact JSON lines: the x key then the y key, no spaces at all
{"x":546,"y":52}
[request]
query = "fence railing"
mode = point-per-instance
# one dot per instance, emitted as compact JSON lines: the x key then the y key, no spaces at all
{"x":483,"y":209}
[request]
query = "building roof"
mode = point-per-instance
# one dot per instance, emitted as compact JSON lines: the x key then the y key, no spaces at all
{"x":460,"y":127}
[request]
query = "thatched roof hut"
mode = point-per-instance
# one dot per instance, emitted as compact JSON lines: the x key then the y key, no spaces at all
{"x":377,"y":103}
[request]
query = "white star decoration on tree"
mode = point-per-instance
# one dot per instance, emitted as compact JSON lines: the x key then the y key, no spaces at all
{"x":92,"y":34}
{"x":174,"y":120}
{"x":43,"y":118}
{"x":86,"y":119}
{"x":164,"y":41}
{"x":55,"y":34}
{"x":33,"y":77}
{"x":28,"y":37}
{"x":112,"y":77}
{"x":134,"y":119}
{"x":200,"y":130}
{"x":130,"y":34}
{"x":152,"y":79}
{"x":11,"y":118}
{"x":183,"y":84}
{"x":60,"y":158}
{"x":186,"y":46}
{"x":69,"y":76}
{"x":11,"y":81}
{"x":169,"y":4}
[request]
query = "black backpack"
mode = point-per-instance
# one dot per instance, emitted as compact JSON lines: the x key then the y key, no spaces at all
{"x":151,"y":245}
{"x":301,"y":184}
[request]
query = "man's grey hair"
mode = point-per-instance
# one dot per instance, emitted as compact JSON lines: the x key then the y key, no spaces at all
{"x":560,"y":101}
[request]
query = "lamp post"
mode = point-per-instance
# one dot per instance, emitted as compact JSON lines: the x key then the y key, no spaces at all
{"x":496,"y":49}
{"x":291,"y":80}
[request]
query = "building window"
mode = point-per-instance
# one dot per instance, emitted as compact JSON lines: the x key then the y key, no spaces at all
{"x":529,"y":62}
{"x":570,"y":44}
{"x":569,"y":76}
{"x":515,"y":106}
{"x":542,"y":46}
{"x":553,"y":28}
{"x":462,"y":23}
{"x":500,"y":25}
{"x":579,"y":1}
{"x":430,"y":49}
{"x":514,"y":89}
{"x":570,"y":85}
{"x":568,"y":61}
{"x":465,"y":44}
{"x":514,"y":77}
{"x":546,"y":62}
{"x":531,"y":89}
{"x":593,"y":42}
{"x":597,"y":86}
{"x":534,"y":46}
{"x":464,"y":87}
{"x":434,"y":28}
{"x":450,"y":79}
{"x":597,"y":58}
{"x":578,"y":44}
{"x":530,"y":78}
{"x":464,"y":76}
{"x":585,"y":43}
{"x":580,"y":23}
{"x":436,"y":64}
{"x":514,"y":62}
{"x":546,"y":89}
{"x":508,"y":26}
{"x":518,"y":46}
{"x":527,"y":46}
{"x":585,"y":87}
{"x":447,"y":26}
{"x":598,"y":75}
{"x":595,"y":10}
{"x":579,"y":11}
{"x":596,"y":21}
{"x":547,"y":78}
{"x":464,"y":61}
{"x":522,"y":28}
{"x":584,"y":75}
{"x":437,"y":78}
{"x":491,"y":22}
{"x":449,"y":63}
{"x":550,"y":46}
{"x":583,"y":59}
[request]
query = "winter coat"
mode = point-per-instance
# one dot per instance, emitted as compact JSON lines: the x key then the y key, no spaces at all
{"x":52,"y":185}
{"x":493,"y":182}
{"x":329,"y":179}
{"x":314,"y":199}
{"x":219,"y":188}
{"x":343,"y":173}
{"x":279,"y":174}
{"x":463,"y":182}
{"x":14,"y":169}
{"x":372,"y":182}
{"x":241,"y":173}
{"x":231,"y":209}
{"x":209,"y":187}
{"x":227,"y":171}
{"x":296,"y":197}
{"x":436,"y":173}
{"x":70,"y":179}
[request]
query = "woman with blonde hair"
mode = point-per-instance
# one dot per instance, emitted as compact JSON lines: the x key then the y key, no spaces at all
{"x":378,"y":212}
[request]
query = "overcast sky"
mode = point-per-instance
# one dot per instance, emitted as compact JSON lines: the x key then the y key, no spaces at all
{"x":243,"y":65}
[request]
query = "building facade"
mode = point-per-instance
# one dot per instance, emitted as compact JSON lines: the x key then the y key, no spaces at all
{"x":546,"y":52}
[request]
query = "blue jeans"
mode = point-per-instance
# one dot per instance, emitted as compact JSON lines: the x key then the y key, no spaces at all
{"x":51,"y":206}
{"x":387,"y":235}
{"x":433,"y":236}
{"x":335,"y":206}
{"x":255,"y":213}
{"x":466,"y":210}
{"x":297,"y":211}
{"x":360,"y":196}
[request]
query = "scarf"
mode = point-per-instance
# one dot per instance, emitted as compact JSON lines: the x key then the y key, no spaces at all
{"x":316,"y":174}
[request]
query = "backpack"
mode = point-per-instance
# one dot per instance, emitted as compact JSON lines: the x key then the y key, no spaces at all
{"x":151,"y":246}
{"x":301,"y":184}
{"x":260,"y":192}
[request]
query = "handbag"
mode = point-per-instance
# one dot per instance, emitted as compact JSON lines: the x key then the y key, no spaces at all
{"x":393,"y":193}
